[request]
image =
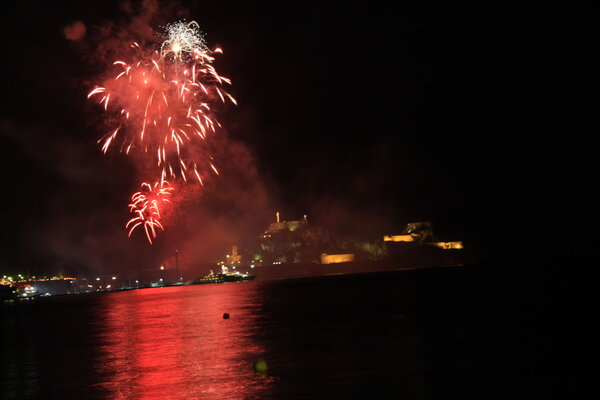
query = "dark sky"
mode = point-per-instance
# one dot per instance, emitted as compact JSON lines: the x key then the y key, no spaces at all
{"x":475,"y":117}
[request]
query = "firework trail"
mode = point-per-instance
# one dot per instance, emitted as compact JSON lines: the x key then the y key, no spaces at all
{"x":163,"y":99}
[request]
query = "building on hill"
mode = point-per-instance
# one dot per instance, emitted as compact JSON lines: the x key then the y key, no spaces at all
{"x":279,"y":225}
{"x":422,"y":233}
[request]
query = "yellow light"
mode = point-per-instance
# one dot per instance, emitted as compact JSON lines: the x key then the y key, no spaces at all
{"x":397,"y":238}
{"x":176,"y":48}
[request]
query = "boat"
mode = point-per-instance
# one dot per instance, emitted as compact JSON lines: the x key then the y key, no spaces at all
{"x":224,"y":276}
{"x":26,"y":291}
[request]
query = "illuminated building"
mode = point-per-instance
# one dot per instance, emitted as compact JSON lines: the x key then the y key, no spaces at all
{"x":397,"y":238}
{"x":456,"y":245}
{"x":417,"y":246}
{"x":336,"y":258}
{"x":279,"y":225}
{"x":422,"y":233}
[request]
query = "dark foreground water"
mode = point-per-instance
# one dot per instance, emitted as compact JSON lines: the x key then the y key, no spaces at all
{"x":466,"y":333}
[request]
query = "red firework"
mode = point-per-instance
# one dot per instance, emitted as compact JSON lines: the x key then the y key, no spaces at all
{"x":163,"y":104}
{"x":165,"y":110}
{"x":146,"y":206}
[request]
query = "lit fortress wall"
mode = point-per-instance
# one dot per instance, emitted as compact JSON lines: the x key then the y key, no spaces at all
{"x":336,"y":258}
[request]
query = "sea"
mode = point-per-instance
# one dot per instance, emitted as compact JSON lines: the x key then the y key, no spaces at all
{"x":471,"y":332}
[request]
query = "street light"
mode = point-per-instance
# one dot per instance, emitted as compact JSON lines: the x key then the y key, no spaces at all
{"x":176,"y":263}
{"x":162,"y":268}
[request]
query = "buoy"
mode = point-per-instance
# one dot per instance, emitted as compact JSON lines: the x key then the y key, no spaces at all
{"x":260,"y":366}
{"x":226,"y":316}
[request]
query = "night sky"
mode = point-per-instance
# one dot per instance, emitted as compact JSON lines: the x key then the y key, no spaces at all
{"x":366,"y":117}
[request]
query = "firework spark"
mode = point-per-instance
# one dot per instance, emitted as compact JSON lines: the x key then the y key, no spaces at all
{"x":163,"y":103}
{"x":146,"y":206}
{"x":164,"y":110}
{"x":183,"y":39}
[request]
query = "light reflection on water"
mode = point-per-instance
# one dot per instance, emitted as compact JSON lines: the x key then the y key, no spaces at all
{"x":174,"y":343}
{"x":435,"y":334}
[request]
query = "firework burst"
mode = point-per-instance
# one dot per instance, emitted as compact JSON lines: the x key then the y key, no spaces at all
{"x":183,"y":39}
{"x":163,"y":103}
{"x":164,"y":110}
{"x":146,"y":206}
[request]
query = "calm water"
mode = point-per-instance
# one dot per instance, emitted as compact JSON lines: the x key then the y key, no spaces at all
{"x":447,"y":333}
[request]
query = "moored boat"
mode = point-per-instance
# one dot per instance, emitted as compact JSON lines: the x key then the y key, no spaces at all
{"x":223,"y":276}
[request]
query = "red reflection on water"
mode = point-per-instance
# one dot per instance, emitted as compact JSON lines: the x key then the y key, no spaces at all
{"x":173,"y":342}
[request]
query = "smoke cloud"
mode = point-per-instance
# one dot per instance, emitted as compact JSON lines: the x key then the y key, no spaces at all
{"x":75,"y":31}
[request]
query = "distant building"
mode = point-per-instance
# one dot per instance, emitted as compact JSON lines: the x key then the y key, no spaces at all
{"x":422,"y":233}
{"x":284,"y":225}
{"x":419,"y":231}
{"x":456,"y":245}
{"x":336,"y":258}
{"x":398,"y":238}
{"x":234,"y":257}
